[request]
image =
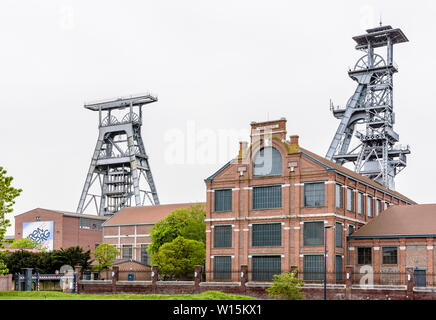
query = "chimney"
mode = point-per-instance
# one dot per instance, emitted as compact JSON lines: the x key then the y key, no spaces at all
{"x":294,"y":139}
{"x":242,"y":149}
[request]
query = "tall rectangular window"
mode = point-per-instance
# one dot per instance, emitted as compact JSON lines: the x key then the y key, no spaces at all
{"x":338,"y":234}
{"x":338,"y":196}
{"x":267,"y":197}
{"x":145,"y":257}
{"x":378,"y":207}
{"x":313,"y":267}
{"x":339,"y":270}
{"x":222,"y":267}
{"x":313,"y":233}
{"x":314,"y":194}
{"x":127,"y":251}
{"x":369,"y":205}
{"x":390,"y":255}
{"x":350,"y":199}
{"x":364,"y":256}
{"x":360,"y":203}
{"x":223,"y":200}
{"x":266,"y":234}
{"x":222,"y":236}
{"x":265,"y":267}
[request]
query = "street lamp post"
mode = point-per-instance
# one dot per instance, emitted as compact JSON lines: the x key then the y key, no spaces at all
{"x":325,"y":260}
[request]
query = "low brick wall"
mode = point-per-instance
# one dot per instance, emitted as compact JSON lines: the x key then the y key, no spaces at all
{"x":258,"y":290}
{"x":6,"y":282}
{"x":346,"y":291}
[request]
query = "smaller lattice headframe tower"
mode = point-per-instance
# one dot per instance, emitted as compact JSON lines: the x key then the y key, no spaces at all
{"x":119,"y":170}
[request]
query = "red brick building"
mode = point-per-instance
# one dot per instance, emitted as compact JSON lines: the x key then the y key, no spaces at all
{"x":268,"y":208}
{"x":401,"y":237}
{"x":62,"y":229}
{"x":129,"y":229}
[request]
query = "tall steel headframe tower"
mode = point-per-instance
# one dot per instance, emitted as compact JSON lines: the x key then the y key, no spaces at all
{"x":369,"y":114}
{"x":119,"y":169}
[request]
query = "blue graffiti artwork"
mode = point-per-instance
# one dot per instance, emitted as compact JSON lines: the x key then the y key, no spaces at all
{"x":39,"y":235}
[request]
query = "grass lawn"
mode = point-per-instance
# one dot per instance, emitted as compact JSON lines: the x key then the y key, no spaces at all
{"x":55,"y":295}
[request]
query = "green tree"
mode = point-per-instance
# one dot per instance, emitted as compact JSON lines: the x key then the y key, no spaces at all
{"x":26,"y":243}
{"x":7,"y":200}
{"x":186,"y":222}
{"x":286,"y":286}
{"x":179,"y":257}
{"x":39,"y":261}
{"x":72,"y":256}
{"x":105,"y":255}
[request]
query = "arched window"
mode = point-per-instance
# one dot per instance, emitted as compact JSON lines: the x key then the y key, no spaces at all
{"x":267,"y":162}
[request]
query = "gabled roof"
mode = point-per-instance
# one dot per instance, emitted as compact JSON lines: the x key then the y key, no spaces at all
{"x":145,"y":214}
{"x":333,"y":166}
{"x":66,"y":213}
{"x":401,"y":221}
{"x":209,"y":179}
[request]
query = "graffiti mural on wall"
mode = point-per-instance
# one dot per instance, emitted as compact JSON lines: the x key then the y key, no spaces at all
{"x":40,"y":231}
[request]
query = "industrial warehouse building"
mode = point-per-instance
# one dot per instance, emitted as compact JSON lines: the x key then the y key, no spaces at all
{"x":129,"y":229}
{"x":272,"y":206}
{"x":401,"y":237}
{"x":60,"y":229}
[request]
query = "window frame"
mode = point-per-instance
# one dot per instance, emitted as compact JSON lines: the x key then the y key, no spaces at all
{"x":272,"y":163}
{"x":350,"y":199}
{"x":339,"y":226}
{"x":360,"y":203}
{"x":255,"y":205}
{"x":389,"y":257}
{"x":264,"y":224}
{"x":323,"y":194}
{"x":218,"y":226}
{"x":339,"y":200}
{"x":370,"y":206}
{"x":269,"y":273}
{"x":223,"y":272}
{"x":225,"y":209}
{"x":364,"y":256}
{"x":126,"y":246}
{"x":305,"y":244}
{"x":316,"y":275}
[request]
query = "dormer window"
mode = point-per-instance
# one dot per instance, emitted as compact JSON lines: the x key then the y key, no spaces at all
{"x":267,"y":162}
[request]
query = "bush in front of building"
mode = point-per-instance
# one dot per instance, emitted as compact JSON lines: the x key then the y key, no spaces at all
{"x":184,"y":222}
{"x":286,"y":286}
{"x":104,"y":255}
{"x":46,"y":262}
{"x":178,"y":258}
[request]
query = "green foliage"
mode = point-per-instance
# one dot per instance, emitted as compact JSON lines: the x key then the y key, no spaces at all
{"x":46,"y":262}
{"x":188,"y":223}
{"x":72,"y":256}
{"x":7,"y":200}
{"x":26,"y":243}
{"x":178,"y":258}
{"x":105,"y":255}
{"x":3,"y":267}
{"x":286,"y":286}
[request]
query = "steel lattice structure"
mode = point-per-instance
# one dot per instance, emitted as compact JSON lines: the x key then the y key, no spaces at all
{"x":119,"y":163}
{"x":369,"y":112}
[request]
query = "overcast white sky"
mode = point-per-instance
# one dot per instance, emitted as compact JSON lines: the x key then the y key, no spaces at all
{"x":215,"y":65}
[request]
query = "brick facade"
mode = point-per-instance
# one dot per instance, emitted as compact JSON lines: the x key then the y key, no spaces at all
{"x":66,"y":228}
{"x":299,"y":167}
